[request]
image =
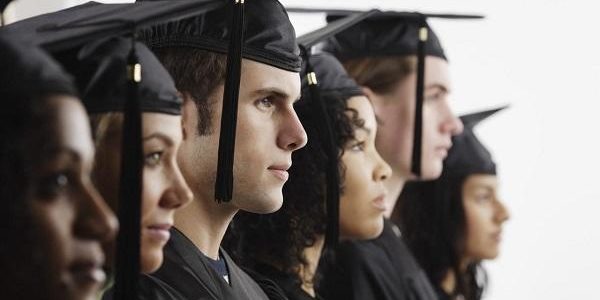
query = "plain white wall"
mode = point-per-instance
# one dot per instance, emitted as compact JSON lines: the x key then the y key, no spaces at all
{"x":542,"y":57}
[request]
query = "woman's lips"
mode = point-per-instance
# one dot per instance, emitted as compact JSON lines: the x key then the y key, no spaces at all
{"x":380,"y":203}
{"x":88,"y":273}
{"x":159,"y":232}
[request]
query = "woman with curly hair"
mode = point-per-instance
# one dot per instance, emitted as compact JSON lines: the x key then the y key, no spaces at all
{"x":53,"y":221}
{"x":453,"y":223}
{"x":286,"y":246}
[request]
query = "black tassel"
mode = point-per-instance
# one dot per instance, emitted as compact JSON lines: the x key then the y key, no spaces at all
{"x":418,"y":126}
{"x":328,"y":138}
{"x":224,"y":180}
{"x":130,"y":189}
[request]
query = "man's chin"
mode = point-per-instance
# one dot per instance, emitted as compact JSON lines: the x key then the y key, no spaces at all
{"x":265,"y":205}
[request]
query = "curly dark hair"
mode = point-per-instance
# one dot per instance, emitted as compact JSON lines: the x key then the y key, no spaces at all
{"x":432,"y":221}
{"x":279,"y":239}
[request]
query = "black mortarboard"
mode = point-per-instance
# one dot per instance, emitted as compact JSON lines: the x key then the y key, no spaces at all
{"x":101,"y":71}
{"x":323,"y":74}
{"x":68,"y":29}
{"x":468,"y":155}
{"x":27,"y":69}
{"x":80,"y":24}
{"x":392,"y":34}
{"x":259,"y":30}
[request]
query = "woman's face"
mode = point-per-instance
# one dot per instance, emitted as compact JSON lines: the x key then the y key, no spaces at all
{"x":484,"y":215}
{"x":164,"y":189}
{"x":396,"y":112}
{"x":363,"y":201}
{"x":70,"y":218}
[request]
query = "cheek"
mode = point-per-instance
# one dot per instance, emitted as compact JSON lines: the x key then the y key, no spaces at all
{"x":53,"y":232}
{"x":478,"y":230}
{"x":155,"y":183}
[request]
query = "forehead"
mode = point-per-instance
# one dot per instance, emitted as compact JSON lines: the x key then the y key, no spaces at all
{"x":437,"y":72}
{"x":69,"y":125}
{"x":479,"y":180}
{"x":365,"y":111}
{"x":258,"y":76}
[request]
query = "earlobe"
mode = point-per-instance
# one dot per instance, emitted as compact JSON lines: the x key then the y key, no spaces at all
{"x":188,"y":116}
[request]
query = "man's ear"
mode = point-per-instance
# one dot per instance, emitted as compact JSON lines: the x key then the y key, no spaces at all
{"x":189,"y":116}
{"x":376,"y":99}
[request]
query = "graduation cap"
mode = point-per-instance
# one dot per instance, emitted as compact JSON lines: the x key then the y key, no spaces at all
{"x":100,"y":68}
{"x":391,"y":33}
{"x":27,"y":69}
{"x":468,"y":155}
{"x":323,"y":74}
{"x":71,"y":28}
{"x":259,"y":30}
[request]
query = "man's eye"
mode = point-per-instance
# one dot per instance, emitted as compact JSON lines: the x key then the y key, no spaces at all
{"x":483,"y":198}
{"x":266,"y":102}
{"x":153,"y":159}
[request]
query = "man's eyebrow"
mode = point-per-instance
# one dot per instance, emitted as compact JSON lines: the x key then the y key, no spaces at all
{"x":277,"y":92}
{"x":161,"y":136}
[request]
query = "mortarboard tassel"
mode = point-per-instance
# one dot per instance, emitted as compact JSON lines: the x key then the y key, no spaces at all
{"x":130,"y":189}
{"x":328,"y":138}
{"x":224,"y":180}
{"x":418,"y":126}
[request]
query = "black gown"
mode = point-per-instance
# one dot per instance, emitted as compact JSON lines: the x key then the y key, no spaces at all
{"x":280,"y":285}
{"x":379,"y":269}
{"x":186,"y":274}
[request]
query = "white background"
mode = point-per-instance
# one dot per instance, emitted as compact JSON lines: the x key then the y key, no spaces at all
{"x":542,"y":57}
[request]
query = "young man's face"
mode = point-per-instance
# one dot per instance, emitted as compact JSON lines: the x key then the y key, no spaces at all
{"x":268,"y":131}
{"x":396,"y":112}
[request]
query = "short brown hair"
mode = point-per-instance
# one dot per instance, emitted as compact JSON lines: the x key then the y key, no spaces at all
{"x":380,"y":74}
{"x":197,"y":73}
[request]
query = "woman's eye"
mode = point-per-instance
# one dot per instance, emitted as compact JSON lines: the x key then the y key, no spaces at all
{"x":153,"y":159}
{"x":54,"y":184}
{"x":358,"y":146}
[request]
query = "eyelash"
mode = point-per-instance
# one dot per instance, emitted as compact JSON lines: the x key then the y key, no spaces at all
{"x":266,"y":102}
{"x":54,"y":184}
{"x":358,"y":146}
{"x":436,"y":96}
{"x":153,"y":159}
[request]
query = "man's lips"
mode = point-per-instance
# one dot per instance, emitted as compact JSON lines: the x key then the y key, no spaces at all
{"x":280,"y":171}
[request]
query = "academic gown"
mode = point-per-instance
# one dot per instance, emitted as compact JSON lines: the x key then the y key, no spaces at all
{"x":186,"y":274}
{"x":379,"y":269}
{"x":287,"y":286}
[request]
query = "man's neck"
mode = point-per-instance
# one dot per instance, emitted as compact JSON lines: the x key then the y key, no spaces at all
{"x":307,"y":274}
{"x":394,"y":186}
{"x":204,"y":222}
